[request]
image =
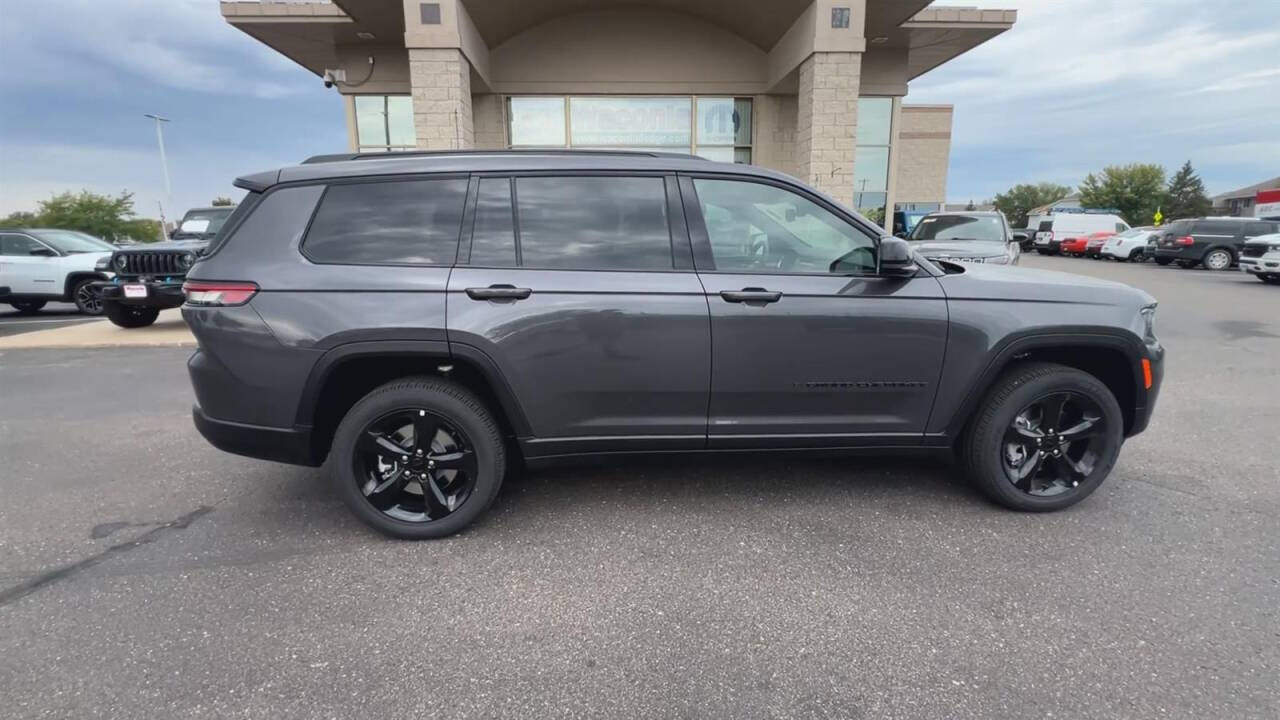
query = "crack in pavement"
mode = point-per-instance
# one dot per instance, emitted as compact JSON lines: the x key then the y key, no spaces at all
{"x":21,"y":590}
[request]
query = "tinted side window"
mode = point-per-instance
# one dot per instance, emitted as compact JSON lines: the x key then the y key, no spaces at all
{"x":755,"y":227}
{"x":1209,"y":227}
{"x":593,"y":223}
{"x":1258,"y":228}
{"x":13,"y":244}
{"x":411,"y":222}
{"x":493,"y":236}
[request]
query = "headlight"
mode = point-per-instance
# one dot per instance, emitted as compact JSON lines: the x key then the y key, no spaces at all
{"x":1149,"y":322}
{"x":103,"y":264}
{"x":121,"y":262}
{"x":1274,"y":247}
{"x":186,"y":260}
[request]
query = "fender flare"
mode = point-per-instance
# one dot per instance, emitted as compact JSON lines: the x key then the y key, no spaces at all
{"x":1017,"y":344}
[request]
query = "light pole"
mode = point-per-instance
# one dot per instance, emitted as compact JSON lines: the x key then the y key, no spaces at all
{"x":164,"y":165}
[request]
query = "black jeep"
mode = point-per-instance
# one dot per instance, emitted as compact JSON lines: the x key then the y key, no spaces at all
{"x":148,"y":278}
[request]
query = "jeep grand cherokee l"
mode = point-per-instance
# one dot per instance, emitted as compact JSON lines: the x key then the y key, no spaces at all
{"x":417,"y":321}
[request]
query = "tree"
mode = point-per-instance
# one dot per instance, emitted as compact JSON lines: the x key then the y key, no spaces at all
{"x":95,"y":214}
{"x":1020,"y":200}
{"x":221,"y":201}
{"x":1185,"y":196}
{"x":19,"y":219}
{"x":1136,"y":191}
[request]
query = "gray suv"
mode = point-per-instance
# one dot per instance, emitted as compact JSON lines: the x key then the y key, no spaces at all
{"x":420,"y":322}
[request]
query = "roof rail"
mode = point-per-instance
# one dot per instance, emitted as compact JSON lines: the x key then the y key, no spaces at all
{"x":344,"y":157}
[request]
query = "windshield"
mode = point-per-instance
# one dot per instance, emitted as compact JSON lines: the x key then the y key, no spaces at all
{"x":70,"y":241}
{"x":204,"y":221}
{"x":985,"y":228}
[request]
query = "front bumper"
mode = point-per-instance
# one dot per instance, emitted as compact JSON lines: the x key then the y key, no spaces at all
{"x":1146,"y":404}
{"x":160,"y":293}
{"x":285,"y":445}
{"x":1264,"y":265}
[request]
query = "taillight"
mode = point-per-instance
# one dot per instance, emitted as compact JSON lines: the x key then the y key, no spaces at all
{"x":218,"y":294}
{"x":1185,"y":240}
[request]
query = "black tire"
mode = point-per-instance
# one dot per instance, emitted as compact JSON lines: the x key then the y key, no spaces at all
{"x":1137,"y":256}
{"x":444,"y":399}
{"x":27,"y":307}
{"x":983,"y":449}
{"x":1163,"y":261}
{"x":86,"y":299}
{"x":129,"y":316}
{"x":1218,"y":259}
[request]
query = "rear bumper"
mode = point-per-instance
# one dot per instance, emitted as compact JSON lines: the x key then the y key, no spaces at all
{"x":159,"y":294}
{"x":285,"y":445}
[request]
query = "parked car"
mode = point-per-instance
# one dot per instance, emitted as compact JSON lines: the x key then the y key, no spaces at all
{"x":1214,"y":242}
{"x":1261,"y":256}
{"x":1093,"y":246}
{"x":1130,"y":245}
{"x":1079,"y":246}
{"x":973,"y":236}
{"x":43,"y":265}
{"x":202,"y":224}
{"x":420,"y":322}
{"x":1064,"y":227}
{"x":148,"y":277}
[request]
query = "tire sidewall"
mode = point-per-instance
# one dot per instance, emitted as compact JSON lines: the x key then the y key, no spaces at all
{"x":1215,"y":251}
{"x":990,"y":448}
{"x":480,"y":431}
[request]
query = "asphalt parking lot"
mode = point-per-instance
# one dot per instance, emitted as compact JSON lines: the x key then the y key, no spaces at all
{"x":145,"y":574}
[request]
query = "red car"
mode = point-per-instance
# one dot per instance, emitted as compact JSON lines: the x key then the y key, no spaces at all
{"x":1079,"y":246}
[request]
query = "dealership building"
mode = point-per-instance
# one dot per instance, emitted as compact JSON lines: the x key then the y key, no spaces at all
{"x":812,"y":88}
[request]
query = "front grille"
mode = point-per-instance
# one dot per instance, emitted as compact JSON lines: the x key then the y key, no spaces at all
{"x":1254,"y":250}
{"x":150,"y":262}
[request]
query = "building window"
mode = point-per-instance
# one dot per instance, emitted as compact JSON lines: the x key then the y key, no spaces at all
{"x":717,"y":128}
{"x":384,"y":123}
{"x":871,"y":158}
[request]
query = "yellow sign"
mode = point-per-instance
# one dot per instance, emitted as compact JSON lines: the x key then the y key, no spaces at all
{"x":1158,"y":216}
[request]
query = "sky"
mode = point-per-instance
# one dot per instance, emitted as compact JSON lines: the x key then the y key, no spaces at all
{"x":1074,"y":86}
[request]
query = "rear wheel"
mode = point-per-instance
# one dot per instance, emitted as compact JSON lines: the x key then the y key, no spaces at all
{"x":86,"y":299}
{"x":418,"y":458}
{"x":129,"y":316}
{"x":1044,"y":439}
{"x":27,"y":306}
{"x":1217,"y":259}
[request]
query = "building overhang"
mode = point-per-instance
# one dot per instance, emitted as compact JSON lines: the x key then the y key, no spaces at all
{"x":307,"y":33}
{"x":936,"y":35}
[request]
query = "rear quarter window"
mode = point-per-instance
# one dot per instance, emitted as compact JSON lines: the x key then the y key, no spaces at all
{"x":400,"y":222}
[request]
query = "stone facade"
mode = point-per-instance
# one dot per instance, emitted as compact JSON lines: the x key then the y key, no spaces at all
{"x":774,"y":144}
{"x":924,"y":147}
{"x":440,"y":79}
{"x":490,"y":121}
{"x":826,"y":121}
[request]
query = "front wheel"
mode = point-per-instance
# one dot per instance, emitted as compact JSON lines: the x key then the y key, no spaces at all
{"x":1044,"y":439}
{"x":129,"y":316}
{"x":1217,"y":259}
{"x":417,"y":458}
{"x":86,"y":299}
{"x":1137,"y":256}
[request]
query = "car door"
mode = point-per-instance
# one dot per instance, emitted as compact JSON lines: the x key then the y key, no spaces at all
{"x":810,"y":347}
{"x":585,"y":299}
{"x":24,"y":273}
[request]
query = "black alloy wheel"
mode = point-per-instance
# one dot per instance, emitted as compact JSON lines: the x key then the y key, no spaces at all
{"x":415,"y":466}
{"x":1053,"y":444}
{"x":87,"y":300}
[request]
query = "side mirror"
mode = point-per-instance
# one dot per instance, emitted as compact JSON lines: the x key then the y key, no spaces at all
{"x":1019,"y":237}
{"x":896,"y":259}
{"x":43,"y":252}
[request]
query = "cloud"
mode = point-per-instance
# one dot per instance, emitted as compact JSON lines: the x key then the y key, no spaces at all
{"x":1080,"y":84}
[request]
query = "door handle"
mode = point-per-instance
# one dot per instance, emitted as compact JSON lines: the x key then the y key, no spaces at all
{"x":751,"y":295}
{"x":498,"y":292}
